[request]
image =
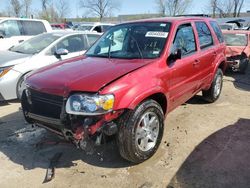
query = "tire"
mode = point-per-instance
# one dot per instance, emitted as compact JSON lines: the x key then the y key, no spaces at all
{"x":20,"y":87}
{"x":135,"y":129}
{"x":213,"y":93}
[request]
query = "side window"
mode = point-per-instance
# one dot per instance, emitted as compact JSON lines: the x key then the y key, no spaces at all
{"x":184,"y":40}
{"x":98,"y":29}
{"x":11,"y":28}
{"x":33,"y":27}
{"x":204,"y":34}
{"x":217,"y":31}
{"x":71,"y":43}
{"x":92,"y":38}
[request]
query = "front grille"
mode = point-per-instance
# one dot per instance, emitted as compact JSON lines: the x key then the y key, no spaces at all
{"x":46,"y":104}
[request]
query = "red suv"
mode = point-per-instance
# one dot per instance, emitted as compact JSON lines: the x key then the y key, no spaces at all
{"x":127,"y":82}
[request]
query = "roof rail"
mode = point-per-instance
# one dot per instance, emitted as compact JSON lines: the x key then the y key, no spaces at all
{"x":195,"y":15}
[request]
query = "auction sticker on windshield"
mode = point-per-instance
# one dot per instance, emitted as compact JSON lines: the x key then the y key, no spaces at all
{"x":158,"y":34}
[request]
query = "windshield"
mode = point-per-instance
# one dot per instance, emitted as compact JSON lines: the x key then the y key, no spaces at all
{"x":236,"y":39}
{"x":132,"y":41}
{"x":84,"y":27}
{"x":36,"y":44}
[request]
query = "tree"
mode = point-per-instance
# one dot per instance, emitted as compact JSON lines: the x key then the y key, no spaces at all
{"x":173,"y":7}
{"x":237,"y":7}
{"x":44,"y":4}
{"x":27,"y":4}
{"x":17,"y":7}
{"x":161,"y":4}
{"x":62,"y":8}
{"x":226,"y":8}
{"x":100,"y":8}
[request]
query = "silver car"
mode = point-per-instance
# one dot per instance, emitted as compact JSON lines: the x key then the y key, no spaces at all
{"x":38,"y":52}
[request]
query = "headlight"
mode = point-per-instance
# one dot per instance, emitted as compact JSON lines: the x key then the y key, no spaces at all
{"x":4,"y":70}
{"x":86,"y":104}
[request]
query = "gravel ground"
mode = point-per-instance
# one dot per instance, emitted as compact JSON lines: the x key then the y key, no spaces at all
{"x":204,"y":145}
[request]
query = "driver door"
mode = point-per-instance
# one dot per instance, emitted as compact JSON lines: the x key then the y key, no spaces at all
{"x":183,"y":74}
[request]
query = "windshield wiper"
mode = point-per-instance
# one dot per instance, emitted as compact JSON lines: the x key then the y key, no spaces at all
{"x":111,"y":42}
{"x":17,"y":51}
{"x":139,"y":49}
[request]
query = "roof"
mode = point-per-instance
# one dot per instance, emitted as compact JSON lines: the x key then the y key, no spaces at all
{"x":171,"y":19}
{"x":66,"y":32}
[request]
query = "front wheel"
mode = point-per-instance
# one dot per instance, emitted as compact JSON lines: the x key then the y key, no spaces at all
{"x":213,"y":93}
{"x":20,"y":87}
{"x":140,"y":131}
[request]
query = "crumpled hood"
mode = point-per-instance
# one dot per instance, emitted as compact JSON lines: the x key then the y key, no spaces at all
{"x":86,"y":74}
{"x":8,"y":58}
{"x":236,"y":50}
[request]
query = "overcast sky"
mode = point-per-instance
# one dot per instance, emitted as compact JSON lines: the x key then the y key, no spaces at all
{"x":126,"y":7}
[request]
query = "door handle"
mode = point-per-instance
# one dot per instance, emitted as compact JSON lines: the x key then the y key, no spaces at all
{"x":196,"y":62}
{"x":214,"y":53}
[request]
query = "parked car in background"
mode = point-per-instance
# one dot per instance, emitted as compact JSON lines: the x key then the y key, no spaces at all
{"x":59,"y":26}
{"x":38,"y":52}
{"x":16,"y":30}
{"x":127,"y":82}
{"x":95,"y":27}
{"x":228,"y":26}
{"x":238,"y":49}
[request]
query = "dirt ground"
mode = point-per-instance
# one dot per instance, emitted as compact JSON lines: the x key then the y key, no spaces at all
{"x":204,"y":145}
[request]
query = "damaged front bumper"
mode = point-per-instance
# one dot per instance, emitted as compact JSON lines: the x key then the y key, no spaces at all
{"x":48,"y":111}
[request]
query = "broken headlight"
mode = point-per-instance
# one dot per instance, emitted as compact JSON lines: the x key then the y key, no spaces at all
{"x":87,"y":104}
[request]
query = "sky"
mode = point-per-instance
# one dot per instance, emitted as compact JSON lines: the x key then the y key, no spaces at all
{"x":126,"y":7}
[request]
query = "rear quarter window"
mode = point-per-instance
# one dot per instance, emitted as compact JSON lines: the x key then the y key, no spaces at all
{"x":205,"y":37}
{"x":33,"y":27}
{"x":217,"y":31}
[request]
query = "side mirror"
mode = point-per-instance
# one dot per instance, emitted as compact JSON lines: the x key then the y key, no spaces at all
{"x":60,"y":52}
{"x":174,"y":56}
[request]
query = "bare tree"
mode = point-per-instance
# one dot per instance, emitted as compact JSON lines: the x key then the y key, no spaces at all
{"x":237,"y":7}
{"x":161,"y":4}
{"x":44,"y":4}
{"x":226,"y":8}
{"x":62,"y":8}
{"x":17,"y":7}
{"x":26,"y":5}
{"x":173,"y":7}
{"x":100,"y":8}
{"x":214,"y":5}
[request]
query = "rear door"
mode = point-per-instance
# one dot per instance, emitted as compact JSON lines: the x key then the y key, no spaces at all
{"x":207,"y":53}
{"x":183,"y":77}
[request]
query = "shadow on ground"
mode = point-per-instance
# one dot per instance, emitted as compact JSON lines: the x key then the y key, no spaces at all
{"x":240,"y":81}
{"x":221,"y":160}
{"x":33,"y":147}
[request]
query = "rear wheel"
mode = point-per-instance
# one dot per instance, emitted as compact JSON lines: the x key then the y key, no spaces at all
{"x":140,"y":131}
{"x":213,"y":93}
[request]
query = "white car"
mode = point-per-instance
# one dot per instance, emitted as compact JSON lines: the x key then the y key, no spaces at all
{"x":16,"y":30}
{"x":94,"y":27}
{"x":38,"y":52}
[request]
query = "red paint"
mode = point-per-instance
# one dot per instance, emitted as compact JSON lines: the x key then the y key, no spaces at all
{"x":237,"y":50}
{"x":132,"y":81}
{"x":79,"y":133}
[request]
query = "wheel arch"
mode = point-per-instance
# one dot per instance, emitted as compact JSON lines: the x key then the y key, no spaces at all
{"x":158,"y":96}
